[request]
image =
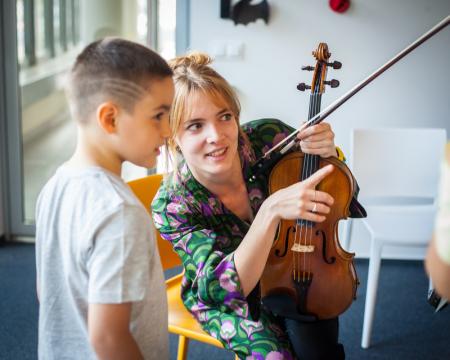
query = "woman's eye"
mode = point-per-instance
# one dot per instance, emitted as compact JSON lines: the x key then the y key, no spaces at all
{"x":194,"y":127}
{"x":227,"y":117}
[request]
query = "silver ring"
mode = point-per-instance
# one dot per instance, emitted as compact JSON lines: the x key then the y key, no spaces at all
{"x":314,"y":208}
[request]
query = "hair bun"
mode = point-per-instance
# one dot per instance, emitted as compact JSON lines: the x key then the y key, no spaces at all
{"x":192,"y":59}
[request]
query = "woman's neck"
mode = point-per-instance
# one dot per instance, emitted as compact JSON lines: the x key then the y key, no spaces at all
{"x":224,"y":184}
{"x":231,"y":189}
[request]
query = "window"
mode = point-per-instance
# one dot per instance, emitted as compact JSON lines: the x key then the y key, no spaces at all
{"x":166,"y":28}
{"x":50,"y":33}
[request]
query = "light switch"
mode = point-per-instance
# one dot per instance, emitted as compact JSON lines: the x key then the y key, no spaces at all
{"x":218,"y":50}
{"x":235,"y":50}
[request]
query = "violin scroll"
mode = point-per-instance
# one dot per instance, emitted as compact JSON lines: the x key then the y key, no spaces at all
{"x":318,"y":83}
{"x":322,"y":53}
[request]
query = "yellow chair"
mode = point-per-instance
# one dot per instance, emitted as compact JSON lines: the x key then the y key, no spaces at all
{"x":181,"y":322}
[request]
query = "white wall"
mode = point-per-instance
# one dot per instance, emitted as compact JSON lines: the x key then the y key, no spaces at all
{"x":414,"y":93}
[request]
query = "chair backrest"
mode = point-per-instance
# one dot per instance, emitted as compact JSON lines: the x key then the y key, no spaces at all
{"x":401,"y":163}
{"x":145,"y":190}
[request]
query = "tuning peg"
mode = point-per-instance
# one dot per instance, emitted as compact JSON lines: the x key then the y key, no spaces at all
{"x":308,"y":68}
{"x":333,"y":83}
{"x":303,"y":87}
{"x":335,"y":65}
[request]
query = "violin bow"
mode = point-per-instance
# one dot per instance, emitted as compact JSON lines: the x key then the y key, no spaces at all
{"x":336,"y":104}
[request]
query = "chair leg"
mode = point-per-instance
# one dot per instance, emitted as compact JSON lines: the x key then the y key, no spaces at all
{"x":183,"y":345}
{"x":371,"y":293}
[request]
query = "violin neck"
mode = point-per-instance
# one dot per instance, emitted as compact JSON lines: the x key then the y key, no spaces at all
{"x":311,"y":162}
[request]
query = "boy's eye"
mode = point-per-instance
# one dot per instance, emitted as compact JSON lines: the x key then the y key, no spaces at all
{"x":159,"y":116}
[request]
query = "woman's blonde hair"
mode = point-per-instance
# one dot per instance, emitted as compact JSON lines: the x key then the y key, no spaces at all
{"x":192,"y":74}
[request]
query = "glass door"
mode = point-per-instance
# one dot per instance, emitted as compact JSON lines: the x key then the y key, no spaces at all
{"x":40,"y":134}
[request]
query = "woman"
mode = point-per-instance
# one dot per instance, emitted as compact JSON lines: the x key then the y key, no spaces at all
{"x":222,"y":225}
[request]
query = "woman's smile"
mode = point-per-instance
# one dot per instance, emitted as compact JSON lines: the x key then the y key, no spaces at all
{"x":218,"y":154}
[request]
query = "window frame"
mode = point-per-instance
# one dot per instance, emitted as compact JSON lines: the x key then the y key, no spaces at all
{"x":11,"y":135}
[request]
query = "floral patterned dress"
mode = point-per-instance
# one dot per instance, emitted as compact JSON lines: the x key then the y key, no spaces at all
{"x":204,"y":233}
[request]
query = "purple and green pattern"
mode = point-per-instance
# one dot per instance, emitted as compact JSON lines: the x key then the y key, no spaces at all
{"x":204,"y":233}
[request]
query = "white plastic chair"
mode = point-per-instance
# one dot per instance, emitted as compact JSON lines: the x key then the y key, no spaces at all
{"x":398,"y":173}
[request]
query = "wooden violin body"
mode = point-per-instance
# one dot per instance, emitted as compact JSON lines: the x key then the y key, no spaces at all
{"x":306,"y":261}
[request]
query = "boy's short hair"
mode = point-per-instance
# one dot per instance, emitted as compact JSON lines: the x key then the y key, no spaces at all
{"x":112,"y":69}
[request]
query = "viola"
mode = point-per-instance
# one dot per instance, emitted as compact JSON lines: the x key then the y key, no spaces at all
{"x":308,"y":274}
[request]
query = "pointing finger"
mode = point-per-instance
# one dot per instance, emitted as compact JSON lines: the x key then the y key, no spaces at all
{"x":319,"y":175}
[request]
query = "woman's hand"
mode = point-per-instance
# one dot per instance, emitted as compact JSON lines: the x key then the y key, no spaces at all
{"x":318,"y":140}
{"x":298,"y":201}
{"x":301,"y":200}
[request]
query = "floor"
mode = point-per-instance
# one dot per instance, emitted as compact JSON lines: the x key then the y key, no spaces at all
{"x":405,"y":325}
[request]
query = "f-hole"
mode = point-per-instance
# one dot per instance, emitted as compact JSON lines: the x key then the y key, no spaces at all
{"x":331,"y":260}
{"x":286,"y":242}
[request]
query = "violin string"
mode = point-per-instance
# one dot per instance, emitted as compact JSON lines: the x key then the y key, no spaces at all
{"x":299,"y":229}
{"x":312,"y":167}
{"x":316,"y":157}
{"x":311,"y":159}
{"x":305,"y":175}
{"x":307,"y":167}
{"x":310,"y":164}
{"x":307,"y":164}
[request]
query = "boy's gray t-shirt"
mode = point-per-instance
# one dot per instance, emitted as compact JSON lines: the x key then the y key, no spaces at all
{"x":95,"y":244}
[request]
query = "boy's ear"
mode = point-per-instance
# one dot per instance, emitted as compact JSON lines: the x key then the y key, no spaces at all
{"x":107,"y":116}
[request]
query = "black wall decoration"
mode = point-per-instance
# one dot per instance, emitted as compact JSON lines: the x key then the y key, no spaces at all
{"x":243,"y":12}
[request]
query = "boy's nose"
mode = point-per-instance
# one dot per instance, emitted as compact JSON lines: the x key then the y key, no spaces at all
{"x":165,"y":128}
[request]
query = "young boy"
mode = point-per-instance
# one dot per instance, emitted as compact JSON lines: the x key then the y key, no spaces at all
{"x":99,"y":276}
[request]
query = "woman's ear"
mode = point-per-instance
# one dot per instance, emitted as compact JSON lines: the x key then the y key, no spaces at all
{"x":177,"y":146}
{"x":107,"y":117}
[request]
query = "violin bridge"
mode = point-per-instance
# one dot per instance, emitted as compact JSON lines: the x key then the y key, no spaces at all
{"x":302,"y":248}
